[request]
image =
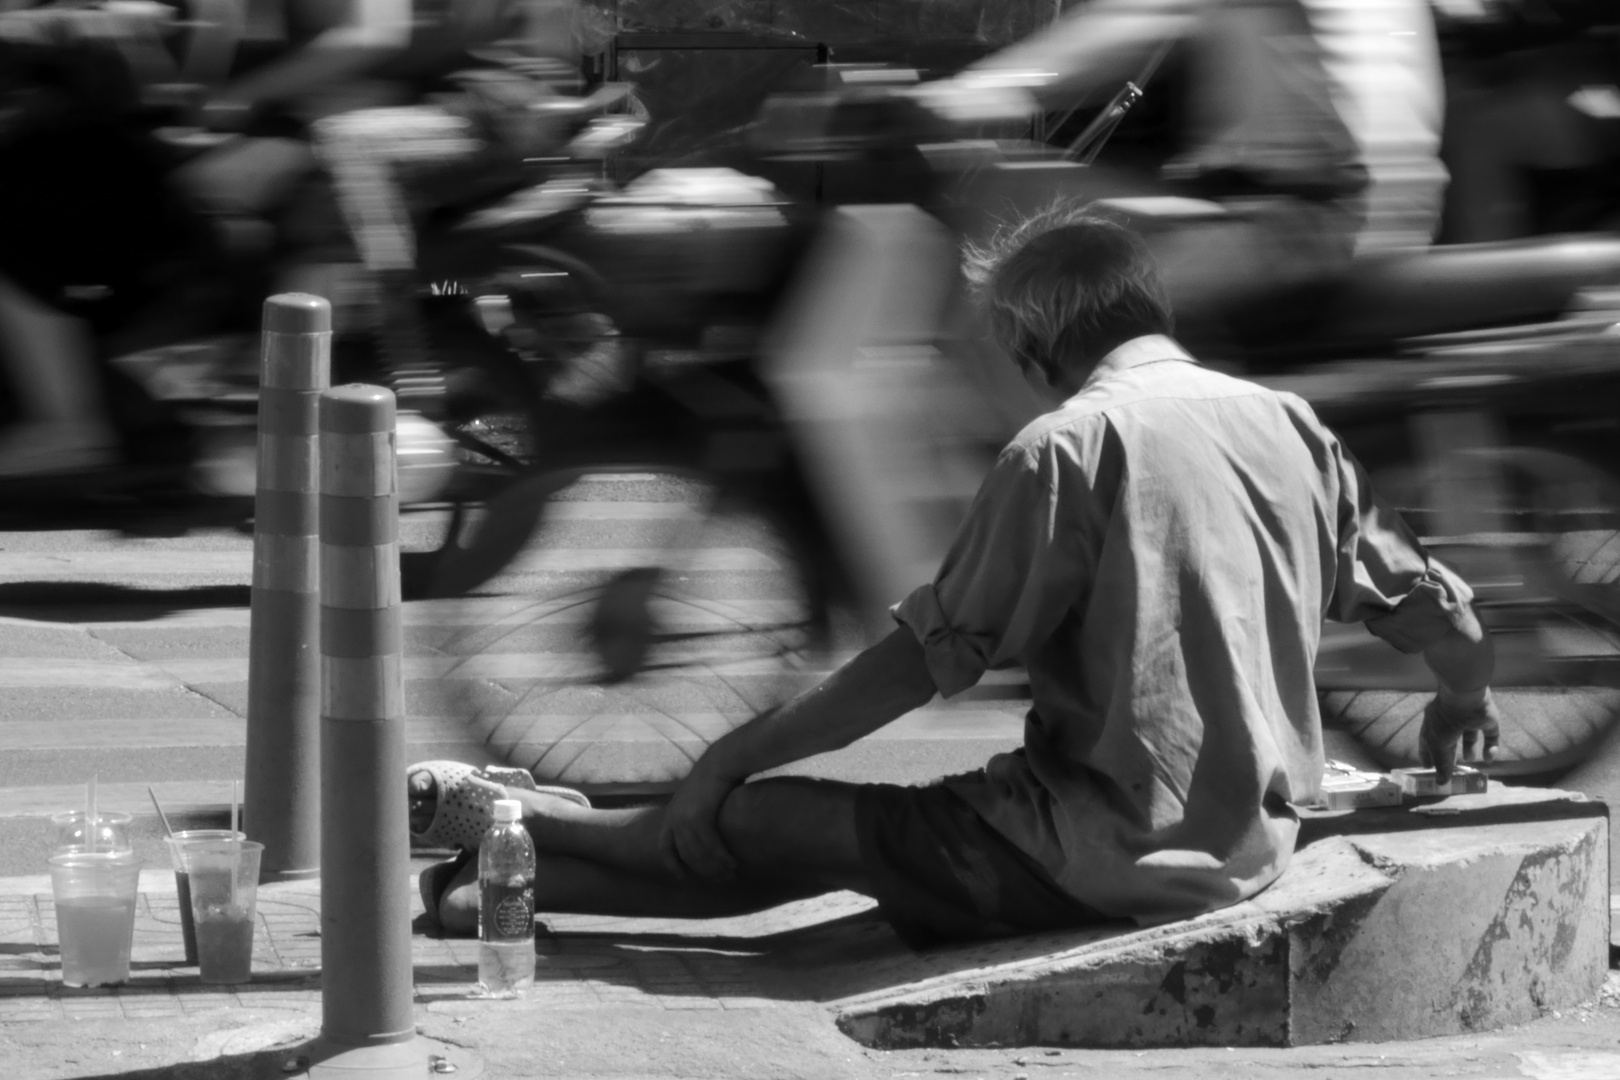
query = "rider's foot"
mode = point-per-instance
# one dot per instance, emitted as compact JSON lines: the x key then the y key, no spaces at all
{"x":47,"y":448}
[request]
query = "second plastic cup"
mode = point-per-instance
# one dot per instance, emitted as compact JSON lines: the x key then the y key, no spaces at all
{"x":182,"y":878}
{"x":95,"y":895}
{"x":111,"y":832}
{"x":224,"y":879}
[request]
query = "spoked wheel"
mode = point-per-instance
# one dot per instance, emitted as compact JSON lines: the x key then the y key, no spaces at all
{"x":505,"y":387}
{"x":1547,"y":587}
{"x":647,"y":618}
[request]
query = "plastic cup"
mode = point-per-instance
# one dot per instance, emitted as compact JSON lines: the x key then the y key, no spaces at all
{"x":112,"y":831}
{"x":224,"y":878}
{"x":95,"y":914}
{"x":182,"y":878}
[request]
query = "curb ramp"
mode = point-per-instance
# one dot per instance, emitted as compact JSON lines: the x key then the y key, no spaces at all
{"x":1464,"y":915}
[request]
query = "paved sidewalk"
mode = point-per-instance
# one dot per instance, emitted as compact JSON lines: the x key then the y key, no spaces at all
{"x":673,"y":964}
{"x":622,"y":998}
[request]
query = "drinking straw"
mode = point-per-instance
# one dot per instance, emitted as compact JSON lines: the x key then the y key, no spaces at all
{"x":236,"y":841}
{"x":90,"y":814}
{"x":161,"y":815}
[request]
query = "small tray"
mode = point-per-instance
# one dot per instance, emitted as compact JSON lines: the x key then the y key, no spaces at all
{"x":1347,"y":788}
{"x":1421,"y":784}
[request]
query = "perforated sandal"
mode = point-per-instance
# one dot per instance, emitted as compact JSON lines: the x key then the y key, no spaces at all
{"x":464,"y":798}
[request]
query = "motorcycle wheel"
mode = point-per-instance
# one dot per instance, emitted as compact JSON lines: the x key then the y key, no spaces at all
{"x":621,"y":642}
{"x":1552,"y":607}
{"x":507,"y":383}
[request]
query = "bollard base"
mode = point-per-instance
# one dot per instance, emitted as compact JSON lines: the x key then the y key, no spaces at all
{"x":420,"y":1059}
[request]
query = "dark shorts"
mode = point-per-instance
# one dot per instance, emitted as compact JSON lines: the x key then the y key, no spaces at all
{"x":940,"y":873}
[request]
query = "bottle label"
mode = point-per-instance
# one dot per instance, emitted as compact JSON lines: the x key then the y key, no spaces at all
{"x":508,"y":911}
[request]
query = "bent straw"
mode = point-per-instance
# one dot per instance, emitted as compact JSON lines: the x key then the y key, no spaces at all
{"x":161,"y":815}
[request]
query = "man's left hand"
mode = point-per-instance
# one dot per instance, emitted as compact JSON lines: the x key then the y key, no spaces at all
{"x":1468,"y":722}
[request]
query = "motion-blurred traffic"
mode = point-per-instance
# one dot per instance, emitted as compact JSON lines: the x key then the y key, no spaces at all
{"x":1402,"y":210}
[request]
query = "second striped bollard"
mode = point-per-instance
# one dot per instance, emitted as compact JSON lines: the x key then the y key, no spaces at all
{"x":367,"y":1023}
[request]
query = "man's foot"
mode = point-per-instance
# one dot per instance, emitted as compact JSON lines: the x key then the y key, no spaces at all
{"x":452,"y":803}
{"x":46,"y":448}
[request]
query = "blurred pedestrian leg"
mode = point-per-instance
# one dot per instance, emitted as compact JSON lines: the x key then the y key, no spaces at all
{"x":363,"y":151}
{"x":889,"y":425}
{"x":61,"y":425}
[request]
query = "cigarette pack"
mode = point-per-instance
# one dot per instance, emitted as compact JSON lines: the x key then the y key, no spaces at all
{"x":1420,"y":783}
{"x":1347,"y":788}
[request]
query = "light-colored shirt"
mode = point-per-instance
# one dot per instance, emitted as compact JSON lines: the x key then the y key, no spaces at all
{"x":1159,"y":553}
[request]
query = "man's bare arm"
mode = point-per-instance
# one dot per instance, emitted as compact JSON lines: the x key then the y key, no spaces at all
{"x":880,"y":685}
{"x":883,"y":683}
{"x":1095,"y":47}
{"x":371,"y":31}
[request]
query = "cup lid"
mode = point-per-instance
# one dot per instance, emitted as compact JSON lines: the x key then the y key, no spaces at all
{"x":83,"y":857}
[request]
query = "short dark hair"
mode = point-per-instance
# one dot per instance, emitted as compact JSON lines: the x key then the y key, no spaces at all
{"x":1067,"y":286}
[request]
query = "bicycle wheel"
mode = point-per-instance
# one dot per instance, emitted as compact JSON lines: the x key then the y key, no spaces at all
{"x":1547,"y":588}
{"x":506,"y":383}
{"x":646,"y":618}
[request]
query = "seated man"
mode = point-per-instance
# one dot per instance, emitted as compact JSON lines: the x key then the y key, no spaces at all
{"x":1158,"y":551}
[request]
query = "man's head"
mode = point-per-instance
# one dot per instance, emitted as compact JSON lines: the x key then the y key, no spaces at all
{"x":1065,"y":288}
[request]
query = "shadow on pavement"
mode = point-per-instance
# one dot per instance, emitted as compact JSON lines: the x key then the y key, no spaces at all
{"x":74,"y":601}
{"x":264,"y":1063}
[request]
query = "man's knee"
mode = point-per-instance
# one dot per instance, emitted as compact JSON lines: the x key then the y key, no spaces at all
{"x":794,"y":826}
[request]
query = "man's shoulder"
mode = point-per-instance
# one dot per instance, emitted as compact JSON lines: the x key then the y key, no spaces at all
{"x":1146,"y":401}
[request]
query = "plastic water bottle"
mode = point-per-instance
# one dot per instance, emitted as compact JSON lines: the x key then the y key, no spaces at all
{"x":506,"y":905}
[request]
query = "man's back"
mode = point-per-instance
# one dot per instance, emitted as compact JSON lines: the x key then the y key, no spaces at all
{"x":1167,"y":543}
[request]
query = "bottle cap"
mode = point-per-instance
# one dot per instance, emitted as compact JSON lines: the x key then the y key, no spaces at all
{"x":508,"y":810}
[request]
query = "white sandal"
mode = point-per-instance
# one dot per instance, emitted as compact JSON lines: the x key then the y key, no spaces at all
{"x":464,"y":798}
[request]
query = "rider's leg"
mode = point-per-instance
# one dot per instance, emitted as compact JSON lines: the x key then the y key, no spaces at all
{"x":1255,"y":274}
{"x":1496,"y":139}
{"x":363,"y":151}
{"x":50,"y":362}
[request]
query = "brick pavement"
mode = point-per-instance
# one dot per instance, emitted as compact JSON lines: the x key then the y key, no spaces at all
{"x":584,"y":962}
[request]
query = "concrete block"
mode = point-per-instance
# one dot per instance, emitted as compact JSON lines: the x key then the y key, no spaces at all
{"x":1467,"y":914}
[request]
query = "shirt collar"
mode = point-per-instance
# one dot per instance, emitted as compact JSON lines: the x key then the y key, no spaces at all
{"x":1147,"y":349}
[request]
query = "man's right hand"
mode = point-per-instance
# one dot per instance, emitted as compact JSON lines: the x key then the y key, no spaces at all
{"x":690,"y":840}
{"x":1467,"y":722}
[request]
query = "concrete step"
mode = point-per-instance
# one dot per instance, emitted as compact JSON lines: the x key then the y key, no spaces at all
{"x":1468,"y":914}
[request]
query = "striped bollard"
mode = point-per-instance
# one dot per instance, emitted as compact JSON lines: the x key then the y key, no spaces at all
{"x":367,"y":1024}
{"x":281,"y":805}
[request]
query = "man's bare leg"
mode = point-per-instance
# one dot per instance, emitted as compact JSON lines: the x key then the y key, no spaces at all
{"x":792,"y":838}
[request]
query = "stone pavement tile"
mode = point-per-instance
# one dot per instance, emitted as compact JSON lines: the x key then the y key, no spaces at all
{"x":18,"y":920}
{"x":29,"y":1010}
{"x":206,"y":1001}
{"x":690,"y":1003}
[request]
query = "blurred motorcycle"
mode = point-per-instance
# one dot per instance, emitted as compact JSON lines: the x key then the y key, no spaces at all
{"x":174,"y":315}
{"x":1474,"y":381}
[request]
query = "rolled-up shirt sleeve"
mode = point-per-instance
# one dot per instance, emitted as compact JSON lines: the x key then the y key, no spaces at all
{"x":1012,"y":572}
{"x":1385,"y":577}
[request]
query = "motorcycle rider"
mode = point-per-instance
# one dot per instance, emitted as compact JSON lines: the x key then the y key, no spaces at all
{"x":1314,"y":123}
{"x":305,"y":47}
{"x":307,"y":59}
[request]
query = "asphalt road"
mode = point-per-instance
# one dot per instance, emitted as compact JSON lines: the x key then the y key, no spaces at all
{"x":125,"y":658}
